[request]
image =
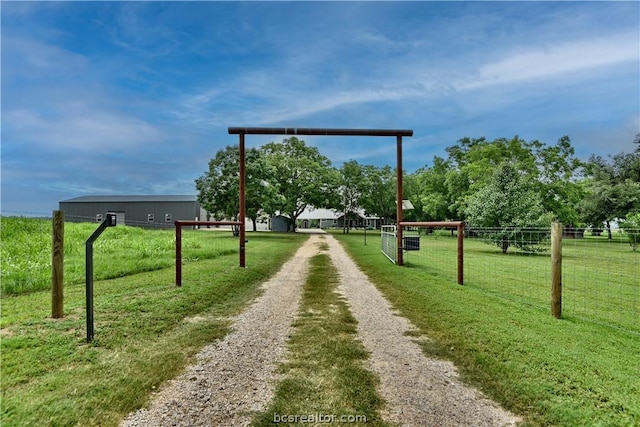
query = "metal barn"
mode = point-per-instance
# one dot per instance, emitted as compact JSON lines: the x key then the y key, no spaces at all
{"x":140,"y":211}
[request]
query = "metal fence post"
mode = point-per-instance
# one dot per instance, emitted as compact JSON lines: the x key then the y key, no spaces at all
{"x":556,"y":270}
{"x":110,"y":221}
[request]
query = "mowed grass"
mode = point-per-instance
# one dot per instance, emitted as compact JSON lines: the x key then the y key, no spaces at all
{"x":146,"y":331}
{"x":567,"y":372}
{"x":119,"y":251}
{"x":324,"y":380}
{"x":601,"y":278}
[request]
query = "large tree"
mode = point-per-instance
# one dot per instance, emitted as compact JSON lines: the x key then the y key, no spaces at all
{"x":379,"y":192}
{"x":613,"y":188}
{"x":301,"y":177}
{"x":507,"y":205}
{"x":219,"y":187}
{"x":552,"y":171}
{"x":557,"y":181}
{"x":429,"y":192}
{"x":472,"y":162}
{"x":350,"y":191}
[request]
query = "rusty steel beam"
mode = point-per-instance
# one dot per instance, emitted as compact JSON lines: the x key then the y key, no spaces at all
{"x":242,"y":201}
{"x":188,"y":223}
{"x":319,"y":131}
{"x":443,"y":224}
{"x":242,"y":131}
{"x":399,"y":179}
{"x":461,"y":253}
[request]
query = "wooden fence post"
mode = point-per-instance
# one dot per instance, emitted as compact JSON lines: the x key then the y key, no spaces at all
{"x":556,"y":270}
{"x":57,"y":265}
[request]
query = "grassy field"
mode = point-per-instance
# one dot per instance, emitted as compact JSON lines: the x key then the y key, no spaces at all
{"x":568,"y":372}
{"x":146,"y":330}
{"x":601,"y":278}
{"x":565,"y":372}
{"x":119,"y":251}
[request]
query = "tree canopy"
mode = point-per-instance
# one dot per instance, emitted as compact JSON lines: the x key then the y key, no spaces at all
{"x":508,"y":204}
{"x":612,"y":189}
{"x":219,"y":188}
{"x":351,"y":190}
{"x":499,"y":183}
{"x":300,"y":176}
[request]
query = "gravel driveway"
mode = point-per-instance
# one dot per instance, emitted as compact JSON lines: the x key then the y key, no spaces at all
{"x":237,"y":375}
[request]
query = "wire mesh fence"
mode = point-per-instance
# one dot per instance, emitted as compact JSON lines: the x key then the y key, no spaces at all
{"x":601,"y":278}
{"x":512,"y":263}
{"x":26,"y":250}
{"x":600,"y":275}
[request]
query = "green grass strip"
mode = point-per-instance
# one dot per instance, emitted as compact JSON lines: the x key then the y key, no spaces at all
{"x":551,"y":372}
{"x":146,"y":331}
{"x":324,"y":377}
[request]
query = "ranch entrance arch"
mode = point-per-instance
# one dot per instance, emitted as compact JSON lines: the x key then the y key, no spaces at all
{"x":398,"y":133}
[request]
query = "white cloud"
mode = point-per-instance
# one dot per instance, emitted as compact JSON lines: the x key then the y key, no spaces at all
{"x":551,"y":61}
{"x":80,"y":128}
{"x":26,"y":57}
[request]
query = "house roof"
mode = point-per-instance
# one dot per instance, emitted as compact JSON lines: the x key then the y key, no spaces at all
{"x":132,"y":198}
{"x":312,"y":213}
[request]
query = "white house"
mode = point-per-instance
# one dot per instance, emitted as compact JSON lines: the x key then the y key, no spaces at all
{"x":327,"y":218}
{"x":317,"y":218}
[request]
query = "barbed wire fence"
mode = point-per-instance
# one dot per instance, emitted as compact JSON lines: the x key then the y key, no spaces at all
{"x":600,"y":276}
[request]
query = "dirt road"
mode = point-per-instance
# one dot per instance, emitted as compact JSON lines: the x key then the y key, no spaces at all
{"x":237,"y":375}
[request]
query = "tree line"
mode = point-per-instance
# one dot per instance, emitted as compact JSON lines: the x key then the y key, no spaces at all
{"x":500,"y":183}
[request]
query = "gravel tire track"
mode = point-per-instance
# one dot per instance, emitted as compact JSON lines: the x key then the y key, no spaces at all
{"x":419,"y":391}
{"x":236,"y":375}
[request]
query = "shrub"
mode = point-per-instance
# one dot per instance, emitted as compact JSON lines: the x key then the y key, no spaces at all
{"x":631,"y":227}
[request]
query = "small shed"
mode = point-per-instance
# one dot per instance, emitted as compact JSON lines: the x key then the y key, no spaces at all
{"x":280,"y":223}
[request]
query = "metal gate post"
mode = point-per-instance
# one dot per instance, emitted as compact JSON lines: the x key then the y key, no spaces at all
{"x":242,"y":213}
{"x":110,"y":221}
{"x":399,"y":256}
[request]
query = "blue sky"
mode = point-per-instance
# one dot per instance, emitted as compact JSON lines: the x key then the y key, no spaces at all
{"x":136,"y":97}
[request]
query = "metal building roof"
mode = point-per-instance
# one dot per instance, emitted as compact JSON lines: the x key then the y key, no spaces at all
{"x":132,"y":198}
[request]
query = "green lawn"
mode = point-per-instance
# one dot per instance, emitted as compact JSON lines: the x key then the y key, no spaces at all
{"x":119,"y":251}
{"x":568,"y":372}
{"x":601,"y":279}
